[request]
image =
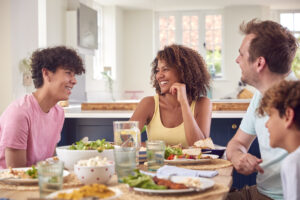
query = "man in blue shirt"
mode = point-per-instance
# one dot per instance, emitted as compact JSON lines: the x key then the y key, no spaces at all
{"x":265,"y":58}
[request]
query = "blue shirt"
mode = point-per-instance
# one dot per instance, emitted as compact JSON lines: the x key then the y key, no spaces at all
{"x":268,"y":183}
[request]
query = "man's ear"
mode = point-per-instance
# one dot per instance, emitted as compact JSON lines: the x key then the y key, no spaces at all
{"x":261,"y":63}
{"x":289,"y":117}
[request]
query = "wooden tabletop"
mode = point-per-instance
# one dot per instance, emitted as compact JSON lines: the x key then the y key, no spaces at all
{"x":223,"y":179}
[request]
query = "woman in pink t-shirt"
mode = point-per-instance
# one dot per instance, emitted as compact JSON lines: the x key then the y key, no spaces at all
{"x":30,"y":127}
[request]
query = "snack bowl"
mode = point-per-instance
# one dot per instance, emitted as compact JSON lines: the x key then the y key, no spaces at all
{"x":95,"y":174}
{"x":70,"y":157}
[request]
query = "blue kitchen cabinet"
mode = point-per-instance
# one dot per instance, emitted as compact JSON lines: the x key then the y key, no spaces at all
{"x":94,"y":128}
{"x":222,"y":130}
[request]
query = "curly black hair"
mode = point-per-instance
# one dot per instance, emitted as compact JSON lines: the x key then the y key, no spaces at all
{"x":53,"y":58}
{"x":190,"y":67}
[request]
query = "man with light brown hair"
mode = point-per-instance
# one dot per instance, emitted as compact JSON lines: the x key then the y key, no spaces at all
{"x":265,"y":58}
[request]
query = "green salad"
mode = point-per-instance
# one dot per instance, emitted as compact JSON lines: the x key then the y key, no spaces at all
{"x":99,"y":145}
{"x":33,"y":172}
{"x":140,"y":180}
{"x":169,"y":151}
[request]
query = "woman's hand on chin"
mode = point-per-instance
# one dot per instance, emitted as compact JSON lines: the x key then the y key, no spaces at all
{"x":179,"y":90}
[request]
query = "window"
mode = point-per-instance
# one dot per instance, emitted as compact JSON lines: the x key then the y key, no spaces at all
{"x":291,"y":20}
{"x":166,"y":30}
{"x":198,"y":30}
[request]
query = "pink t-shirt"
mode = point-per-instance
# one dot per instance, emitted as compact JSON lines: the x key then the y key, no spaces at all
{"x":24,"y":125}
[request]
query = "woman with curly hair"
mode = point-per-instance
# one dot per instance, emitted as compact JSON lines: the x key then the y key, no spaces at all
{"x":30,"y":127}
{"x":180,"y":112}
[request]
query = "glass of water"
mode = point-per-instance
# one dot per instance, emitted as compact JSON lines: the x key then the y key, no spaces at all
{"x":127,"y":134}
{"x":50,"y":175}
{"x":155,"y":154}
{"x":125,"y":161}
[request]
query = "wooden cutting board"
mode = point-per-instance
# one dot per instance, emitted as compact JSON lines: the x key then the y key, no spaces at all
{"x":216,"y":106}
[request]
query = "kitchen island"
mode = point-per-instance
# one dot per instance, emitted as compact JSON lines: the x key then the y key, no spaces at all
{"x":98,"y":124}
{"x":95,"y":120}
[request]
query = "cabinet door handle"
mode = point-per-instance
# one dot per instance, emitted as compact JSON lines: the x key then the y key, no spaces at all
{"x":233,"y":126}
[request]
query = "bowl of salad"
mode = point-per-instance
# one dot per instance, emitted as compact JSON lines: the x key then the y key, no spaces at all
{"x":84,"y":149}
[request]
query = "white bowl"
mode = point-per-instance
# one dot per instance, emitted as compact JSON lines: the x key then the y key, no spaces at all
{"x":97,"y":174}
{"x":70,"y":157}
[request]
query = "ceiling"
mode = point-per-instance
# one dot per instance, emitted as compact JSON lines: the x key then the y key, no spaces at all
{"x":160,"y":5}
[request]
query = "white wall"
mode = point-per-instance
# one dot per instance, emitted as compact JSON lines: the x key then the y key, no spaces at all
{"x":56,"y":22}
{"x":6,"y":83}
{"x":138,"y":51}
{"x":233,"y":17}
{"x":120,"y":65}
{"x":24,"y":34}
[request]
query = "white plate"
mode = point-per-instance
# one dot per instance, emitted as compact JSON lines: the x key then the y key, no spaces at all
{"x":54,"y":194}
{"x":192,"y":161}
{"x":24,"y":180}
{"x":205,"y":184}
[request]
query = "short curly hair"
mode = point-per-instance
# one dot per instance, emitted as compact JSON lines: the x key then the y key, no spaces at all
{"x":190,"y":67}
{"x":272,"y":41}
{"x":281,"y":96}
{"x":53,"y":58}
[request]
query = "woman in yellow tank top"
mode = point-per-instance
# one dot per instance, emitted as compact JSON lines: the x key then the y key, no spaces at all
{"x":179,"y":112}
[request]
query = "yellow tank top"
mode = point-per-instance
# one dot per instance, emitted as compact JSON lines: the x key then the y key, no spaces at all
{"x":171,"y":136}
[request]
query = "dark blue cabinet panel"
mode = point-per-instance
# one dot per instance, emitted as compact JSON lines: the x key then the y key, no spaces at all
{"x":95,"y":128}
{"x":222,"y":130}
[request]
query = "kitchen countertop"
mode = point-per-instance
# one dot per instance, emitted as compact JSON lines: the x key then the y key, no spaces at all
{"x":75,"y":111}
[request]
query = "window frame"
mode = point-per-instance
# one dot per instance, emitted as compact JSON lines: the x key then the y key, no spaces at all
{"x":178,"y":34}
{"x":292,"y":31}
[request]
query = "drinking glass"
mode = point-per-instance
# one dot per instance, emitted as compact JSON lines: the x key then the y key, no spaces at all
{"x":127,"y":134}
{"x":125,"y":161}
{"x":155,"y":154}
{"x":50,"y":175}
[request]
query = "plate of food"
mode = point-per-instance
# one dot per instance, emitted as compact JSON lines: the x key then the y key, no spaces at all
{"x":192,"y":160}
{"x":176,"y":184}
{"x":25,"y":175}
{"x":177,"y":155}
{"x":208,"y":147}
{"x":99,"y":191}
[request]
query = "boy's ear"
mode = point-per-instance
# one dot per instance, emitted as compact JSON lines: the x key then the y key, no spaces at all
{"x":261,"y":63}
{"x":46,"y":75}
{"x":289,"y":117}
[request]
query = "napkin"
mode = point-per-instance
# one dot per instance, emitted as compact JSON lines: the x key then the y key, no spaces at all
{"x":167,"y":170}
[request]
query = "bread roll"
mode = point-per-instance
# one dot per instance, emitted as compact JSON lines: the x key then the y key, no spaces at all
{"x":205,"y":144}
